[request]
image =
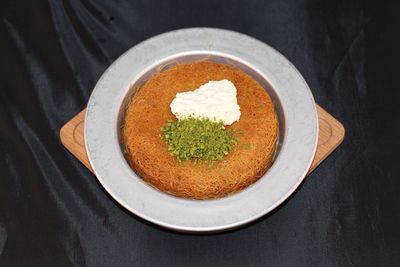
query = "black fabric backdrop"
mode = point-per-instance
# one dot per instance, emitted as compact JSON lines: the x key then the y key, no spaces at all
{"x":53,"y":212}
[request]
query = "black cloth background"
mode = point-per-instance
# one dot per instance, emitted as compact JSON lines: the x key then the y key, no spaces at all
{"x":53,"y":212}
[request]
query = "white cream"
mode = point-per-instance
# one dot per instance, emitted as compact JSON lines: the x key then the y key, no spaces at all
{"x":215,"y":100}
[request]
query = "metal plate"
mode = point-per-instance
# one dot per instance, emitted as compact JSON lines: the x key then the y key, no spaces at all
{"x":294,"y":104}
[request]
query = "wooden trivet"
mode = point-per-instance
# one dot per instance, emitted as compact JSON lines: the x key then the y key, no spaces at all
{"x":331,"y":134}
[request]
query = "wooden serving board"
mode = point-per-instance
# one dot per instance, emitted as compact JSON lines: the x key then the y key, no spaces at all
{"x":331,"y":134}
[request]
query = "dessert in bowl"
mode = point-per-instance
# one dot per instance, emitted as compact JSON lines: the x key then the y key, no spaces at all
{"x":147,"y":173}
{"x":251,"y":154}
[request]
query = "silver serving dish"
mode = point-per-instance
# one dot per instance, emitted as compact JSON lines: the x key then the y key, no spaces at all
{"x":294,"y":105}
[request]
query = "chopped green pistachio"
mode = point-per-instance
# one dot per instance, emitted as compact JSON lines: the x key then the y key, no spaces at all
{"x":198,"y":139}
{"x":248,"y":146}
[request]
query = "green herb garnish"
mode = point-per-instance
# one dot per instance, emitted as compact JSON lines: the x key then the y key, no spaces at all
{"x":198,"y":139}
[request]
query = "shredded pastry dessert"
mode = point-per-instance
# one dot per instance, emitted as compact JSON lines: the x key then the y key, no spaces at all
{"x":149,"y":110}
